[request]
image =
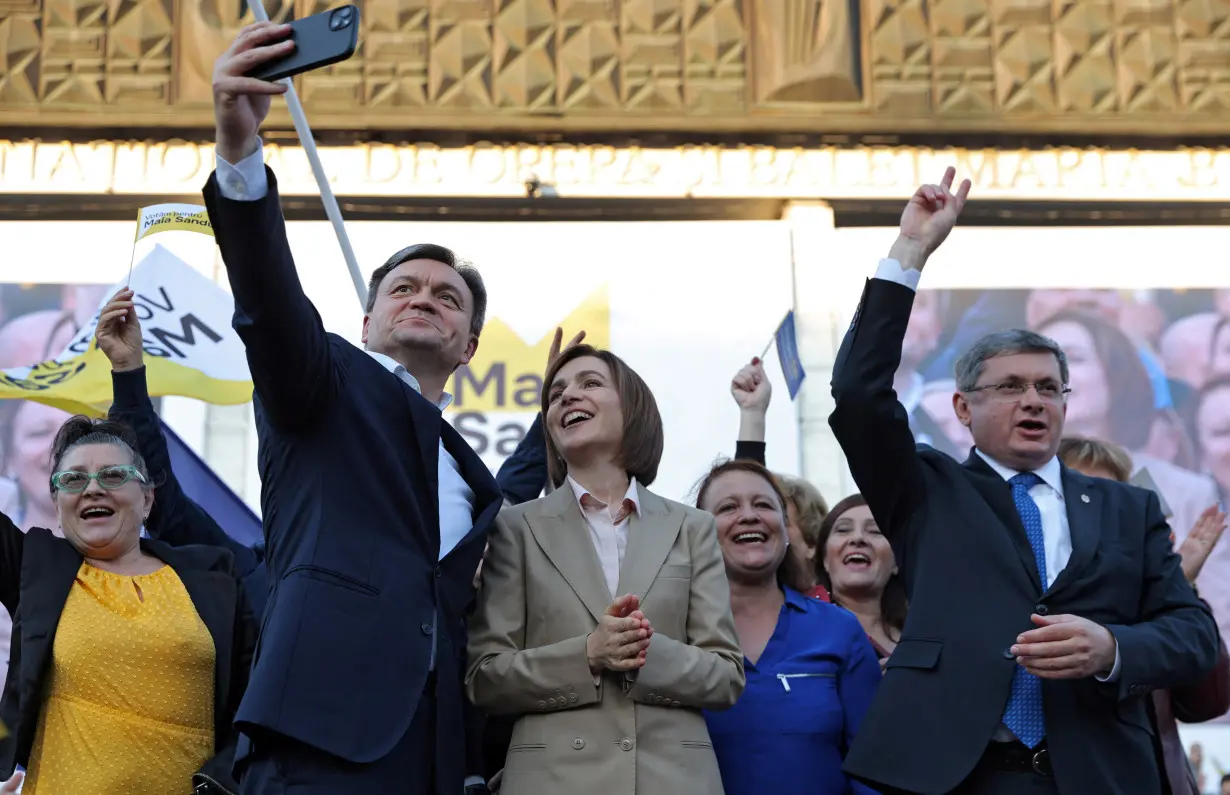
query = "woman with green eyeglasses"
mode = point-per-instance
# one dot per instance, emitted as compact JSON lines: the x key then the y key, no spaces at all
{"x":129,"y":656}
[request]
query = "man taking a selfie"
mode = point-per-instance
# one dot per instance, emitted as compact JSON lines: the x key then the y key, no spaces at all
{"x":375,"y":510}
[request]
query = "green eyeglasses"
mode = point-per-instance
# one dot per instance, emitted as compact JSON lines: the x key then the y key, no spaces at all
{"x":75,"y":482}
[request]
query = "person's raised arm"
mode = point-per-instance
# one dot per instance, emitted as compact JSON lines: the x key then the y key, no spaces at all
{"x":869,"y":422}
{"x":752,"y":393}
{"x":288,"y":352}
{"x":175,"y":518}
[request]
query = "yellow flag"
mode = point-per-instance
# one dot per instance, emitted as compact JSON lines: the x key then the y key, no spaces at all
{"x":166,"y":217}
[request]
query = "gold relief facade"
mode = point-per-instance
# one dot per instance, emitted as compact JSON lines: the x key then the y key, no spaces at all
{"x":1142,"y":66}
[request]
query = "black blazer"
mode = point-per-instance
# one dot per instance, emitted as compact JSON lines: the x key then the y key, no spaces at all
{"x":972,"y":585}
{"x":348,"y":464}
{"x":46,"y":567}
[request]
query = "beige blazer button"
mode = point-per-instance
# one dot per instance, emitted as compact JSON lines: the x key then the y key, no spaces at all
{"x":578,"y":743}
{"x":572,"y":698}
{"x":542,"y":705}
{"x":626,"y":743}
{"x":674,"y":703}
{"x":550,"y":702}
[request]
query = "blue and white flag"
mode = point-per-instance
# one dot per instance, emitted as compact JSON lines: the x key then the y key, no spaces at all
{"x":788,"y":355}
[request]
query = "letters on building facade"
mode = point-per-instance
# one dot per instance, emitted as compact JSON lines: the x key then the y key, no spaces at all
{"x":717,"y":66}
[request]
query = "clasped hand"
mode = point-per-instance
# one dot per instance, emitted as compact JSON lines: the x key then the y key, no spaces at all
{"x":1065,"y":647}
{"x":621,"y":640}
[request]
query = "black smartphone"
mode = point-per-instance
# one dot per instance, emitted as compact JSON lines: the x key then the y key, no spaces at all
{"x":320,"y":40}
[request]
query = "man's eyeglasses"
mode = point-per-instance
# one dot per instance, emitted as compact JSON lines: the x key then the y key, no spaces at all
{"x":1047,"y":390}
{"x":75,"y":482}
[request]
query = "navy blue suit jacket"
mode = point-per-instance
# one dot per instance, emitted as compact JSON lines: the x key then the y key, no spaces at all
{"x":973,"y":584}
{"x":348,"y":464}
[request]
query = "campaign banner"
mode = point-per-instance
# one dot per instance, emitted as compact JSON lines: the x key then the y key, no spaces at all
{"x":190,"y":347}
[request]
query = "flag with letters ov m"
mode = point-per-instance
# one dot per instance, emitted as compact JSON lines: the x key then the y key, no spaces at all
{"x":190,"y":347}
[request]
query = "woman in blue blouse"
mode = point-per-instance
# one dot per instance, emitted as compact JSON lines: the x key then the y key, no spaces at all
{"x":811,"y":672}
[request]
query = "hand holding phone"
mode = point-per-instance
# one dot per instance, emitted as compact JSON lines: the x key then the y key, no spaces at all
{"x":319,"y":40}
{"x":241,"y":103}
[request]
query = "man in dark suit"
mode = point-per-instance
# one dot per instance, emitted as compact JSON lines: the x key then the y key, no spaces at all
{"x":974,"y":700}
{"x":375,"y":509}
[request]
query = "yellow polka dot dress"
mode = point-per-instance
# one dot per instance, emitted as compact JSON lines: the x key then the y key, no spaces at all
{"x":129,"y":703}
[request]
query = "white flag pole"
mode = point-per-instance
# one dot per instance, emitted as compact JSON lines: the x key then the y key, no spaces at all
{"x":326,"y":192}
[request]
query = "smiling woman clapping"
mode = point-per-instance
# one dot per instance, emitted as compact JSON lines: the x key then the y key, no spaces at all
{"x":604,"y":612}
{"x":129,"y":656}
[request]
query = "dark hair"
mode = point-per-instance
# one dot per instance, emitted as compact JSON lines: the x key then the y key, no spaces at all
{"x":893,"y":603}
{"x":1131,"y":404}
{"x":469,"y":274}
{"x":643,"y":437}
{"x":1079,"y":451}
{"x":789,"y":571}
{"x":81,"y":430}
{"x":968,"y":368}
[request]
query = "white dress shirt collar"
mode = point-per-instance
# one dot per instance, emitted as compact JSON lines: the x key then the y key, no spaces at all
{"x":398,"y":369}
{"x":1050,"y":472}
{"x":632,"y":494}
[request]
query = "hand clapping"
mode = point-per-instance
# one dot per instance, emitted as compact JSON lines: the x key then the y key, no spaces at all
{"x":1066,"y":647}
{"x":622,"y":638}
{"x":1195,"y":549}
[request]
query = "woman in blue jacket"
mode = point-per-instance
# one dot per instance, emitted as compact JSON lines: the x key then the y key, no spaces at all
{"x":811,"y":672}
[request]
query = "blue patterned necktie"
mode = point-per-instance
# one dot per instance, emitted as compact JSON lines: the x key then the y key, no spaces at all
{"x":1023,"y":715}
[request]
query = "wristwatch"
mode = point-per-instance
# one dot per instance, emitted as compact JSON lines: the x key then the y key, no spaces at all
{"x":477,"y":789}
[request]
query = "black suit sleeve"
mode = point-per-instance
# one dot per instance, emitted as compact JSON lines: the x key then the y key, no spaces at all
{"x":12,"y":542}
{"x":175,"y":518}
{"x":1176,"y":640}
{"x":293,"y":369}
{"x":750,"y":451}
{"x":869,"y":422}
{"x":523,"y":475}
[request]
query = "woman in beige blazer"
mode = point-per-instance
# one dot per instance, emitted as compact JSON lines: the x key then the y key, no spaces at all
{"x":603,"y":616}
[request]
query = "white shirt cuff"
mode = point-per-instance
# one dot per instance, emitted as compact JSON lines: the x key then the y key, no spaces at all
{"x":472,"y":781}
{"x":1114,"y":671}
{"x":890,"y":270}
{"x":244,"y":181}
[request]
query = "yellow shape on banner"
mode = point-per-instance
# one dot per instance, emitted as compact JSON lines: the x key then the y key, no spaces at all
{"x":506,"y":372}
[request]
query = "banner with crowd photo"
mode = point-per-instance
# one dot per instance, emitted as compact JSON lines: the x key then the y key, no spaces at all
{"x":1149,"y":370}
{"x":190,"y":348}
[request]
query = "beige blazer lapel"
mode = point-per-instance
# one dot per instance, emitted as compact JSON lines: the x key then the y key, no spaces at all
{"x":651,"y":535}
{"x":561,"y":531}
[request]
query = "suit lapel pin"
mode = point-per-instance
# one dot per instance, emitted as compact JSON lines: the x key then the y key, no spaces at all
{"x":1085,"y":498}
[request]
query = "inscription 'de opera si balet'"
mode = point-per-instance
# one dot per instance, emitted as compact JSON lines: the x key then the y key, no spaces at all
{"x":176,"y":167}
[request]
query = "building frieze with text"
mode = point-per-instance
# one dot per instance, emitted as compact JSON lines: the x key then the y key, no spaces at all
{"x":492,"y":170}
{"x":1030,"y":66}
